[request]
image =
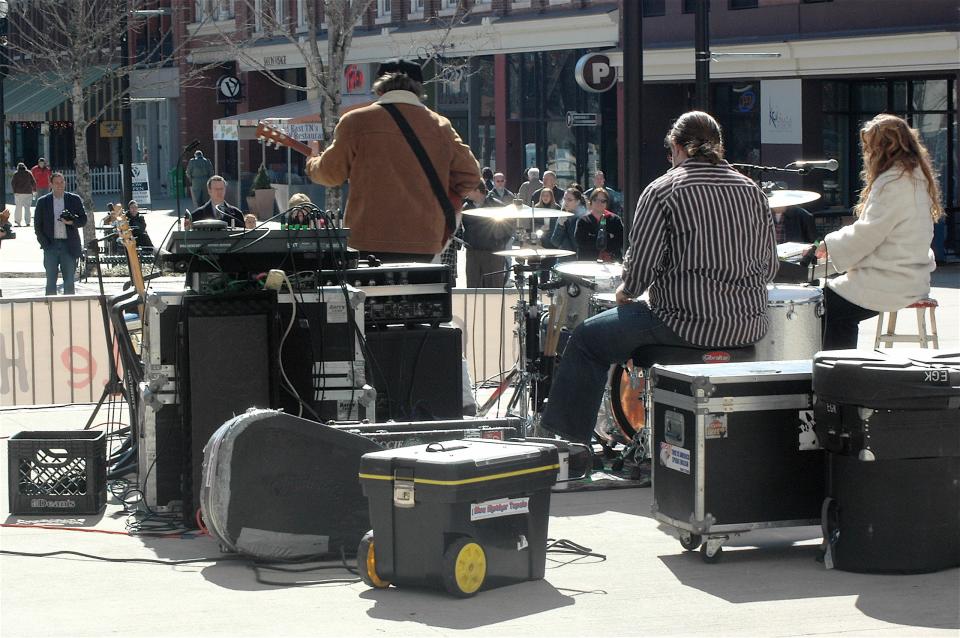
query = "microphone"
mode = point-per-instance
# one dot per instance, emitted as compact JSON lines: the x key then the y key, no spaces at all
{"x":825,"y":165}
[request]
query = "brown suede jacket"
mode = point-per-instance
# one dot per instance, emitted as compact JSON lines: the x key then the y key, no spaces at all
{"x":391,"y":207}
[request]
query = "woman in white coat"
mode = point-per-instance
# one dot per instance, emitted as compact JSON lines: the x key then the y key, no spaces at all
{"x":885,"y":256}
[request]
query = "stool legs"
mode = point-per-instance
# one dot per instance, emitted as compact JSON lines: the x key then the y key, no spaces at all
{"x":925,"y":336}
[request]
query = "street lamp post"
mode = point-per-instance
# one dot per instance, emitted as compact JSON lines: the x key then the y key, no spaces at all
{"x":702,"y":55}
{"x":4,"y":10}
{"x":126,"y":121}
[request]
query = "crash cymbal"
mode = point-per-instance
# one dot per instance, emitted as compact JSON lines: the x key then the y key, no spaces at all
{"x":590,"y":269}
{"x":514,"y":212}
{"x":533,"y":252}
{"x":791,"y":198}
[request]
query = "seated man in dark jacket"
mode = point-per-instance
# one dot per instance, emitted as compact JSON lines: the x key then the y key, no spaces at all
{"x":217,"y":207}
{"x":483,"y":237}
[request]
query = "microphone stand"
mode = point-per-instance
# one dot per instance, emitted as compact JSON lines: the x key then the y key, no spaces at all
{"x":115,"y":384}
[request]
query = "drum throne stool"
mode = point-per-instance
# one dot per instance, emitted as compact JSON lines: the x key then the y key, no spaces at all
{"x":924,"y":336}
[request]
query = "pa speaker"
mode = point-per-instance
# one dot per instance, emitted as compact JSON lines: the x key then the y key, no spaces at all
{"x":230,"y":352}
{"x":417,"y":372}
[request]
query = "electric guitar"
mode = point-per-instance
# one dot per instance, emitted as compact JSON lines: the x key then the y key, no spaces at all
{"x":133,"y":258}
{"x":274,"y":136}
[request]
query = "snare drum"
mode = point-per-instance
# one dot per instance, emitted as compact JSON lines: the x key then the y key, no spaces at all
{"x":578,"y":276}
{"x":795,"y":330}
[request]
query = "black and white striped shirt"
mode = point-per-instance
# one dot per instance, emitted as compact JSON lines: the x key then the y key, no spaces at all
{"x":702,"y":240}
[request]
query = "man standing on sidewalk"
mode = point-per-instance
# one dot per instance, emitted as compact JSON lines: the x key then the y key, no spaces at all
{"x":199,"y":170}
{"x":41,"y":174}
{"x":57,"y":219}
{"x":23,"y":185}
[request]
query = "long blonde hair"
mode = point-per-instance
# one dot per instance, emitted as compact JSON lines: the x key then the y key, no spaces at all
{"x":887,"y":141}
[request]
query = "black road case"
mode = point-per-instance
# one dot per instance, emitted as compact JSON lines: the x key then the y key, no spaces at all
{"x":462,"y":515}
{"x":890,"y":422}
{"x":734,"y":450}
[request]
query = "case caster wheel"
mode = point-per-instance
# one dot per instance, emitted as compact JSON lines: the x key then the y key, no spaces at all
{"x":689,"y":541}
{"x":367,"y":563}
{"x":464,"y":567}
{"x":710,"y":555}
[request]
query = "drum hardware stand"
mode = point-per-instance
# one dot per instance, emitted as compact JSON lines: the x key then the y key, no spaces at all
{"x":528,"y":372}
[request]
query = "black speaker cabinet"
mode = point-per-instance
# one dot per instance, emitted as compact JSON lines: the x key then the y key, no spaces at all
{"x":417,"y":372}
{"x":231,"y":352}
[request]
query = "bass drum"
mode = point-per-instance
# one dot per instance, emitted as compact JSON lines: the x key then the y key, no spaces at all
{"x":796,"y":326}
{"x":623,"y":411}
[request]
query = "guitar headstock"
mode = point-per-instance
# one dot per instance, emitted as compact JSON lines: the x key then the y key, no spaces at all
{"x":126,"y":235}
{"x":276,"y":137}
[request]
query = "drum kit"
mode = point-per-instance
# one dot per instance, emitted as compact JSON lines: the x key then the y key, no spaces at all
{"x":582,"y":289}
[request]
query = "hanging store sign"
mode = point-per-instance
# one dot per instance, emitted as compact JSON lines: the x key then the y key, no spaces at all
{"x":111,"y":128}
{"x":595,"y":73}
{"x":226,"y":131}
{"x":229,"y":90}
{"x":582,"y":119}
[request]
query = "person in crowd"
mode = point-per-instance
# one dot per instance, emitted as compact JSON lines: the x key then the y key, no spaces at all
{"x":114,"y":211}
{"x":563,"y":232}
{"x":138,"y":225}
{"x":550,"y":183}
{"x":483,"y":237}
{"x":500,"y":194}
{"x":217,"y":206}
{"x":199,"y":170}
{"x":703,"y":293}
{"x":487,"y":174}
{"x":599,"y":235}
{"x":57,"y":219}
{"x":249,"y":221}
{"x":616,"y":199}
{"x":885,"y":255}
{"x":546,"y":199}
{"x":24,"y":185}
{"x":529,"y":187}
{"x":392,"y":210}
{"x":793,"y":224}
{"x":41,"y":173}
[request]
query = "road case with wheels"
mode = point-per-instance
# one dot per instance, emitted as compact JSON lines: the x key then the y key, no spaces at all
{"x":462,"y":515}
{"x":734,"y":450}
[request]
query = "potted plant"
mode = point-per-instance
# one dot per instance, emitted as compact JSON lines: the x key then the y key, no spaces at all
{"x":262,"y":194}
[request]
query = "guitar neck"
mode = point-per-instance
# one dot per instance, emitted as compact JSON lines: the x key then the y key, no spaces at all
{"x":277,"y":137}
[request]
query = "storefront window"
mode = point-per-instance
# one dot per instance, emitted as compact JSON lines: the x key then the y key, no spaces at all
{"x":736,"y":106}
{"x":925,"y":103}
{"x":540,"y":98}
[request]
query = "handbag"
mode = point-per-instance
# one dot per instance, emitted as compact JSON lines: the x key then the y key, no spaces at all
{"x":449,"y":213}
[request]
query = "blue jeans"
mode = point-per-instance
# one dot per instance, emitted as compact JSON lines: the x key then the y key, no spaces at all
{"x":57,"y":256}
{"x":599,"y":342}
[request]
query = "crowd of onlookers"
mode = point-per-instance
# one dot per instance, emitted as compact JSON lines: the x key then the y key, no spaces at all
{"x":592,"y":229}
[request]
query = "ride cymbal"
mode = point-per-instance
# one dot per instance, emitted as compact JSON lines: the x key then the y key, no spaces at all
{"x":782,"y":198}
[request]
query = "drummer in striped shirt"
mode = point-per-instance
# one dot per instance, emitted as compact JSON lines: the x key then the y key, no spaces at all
{"x":702,"y":246}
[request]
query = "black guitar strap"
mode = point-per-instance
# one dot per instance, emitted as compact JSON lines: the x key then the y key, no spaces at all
{"x":449,"y":215}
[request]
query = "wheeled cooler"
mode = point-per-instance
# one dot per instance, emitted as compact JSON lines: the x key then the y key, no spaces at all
{"x":462,"y":515}
{"x":734,"y":450}
{"x":890,"y":422}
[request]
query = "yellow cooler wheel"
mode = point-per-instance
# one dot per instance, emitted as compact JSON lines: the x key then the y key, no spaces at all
{"x":367,"y":563}
{"x":464,"y":567}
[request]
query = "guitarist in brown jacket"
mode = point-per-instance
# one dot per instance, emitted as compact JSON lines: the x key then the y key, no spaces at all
{"x":390,"y":210}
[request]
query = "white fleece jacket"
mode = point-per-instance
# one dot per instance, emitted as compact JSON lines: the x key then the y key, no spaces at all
{"x":885,"y":255}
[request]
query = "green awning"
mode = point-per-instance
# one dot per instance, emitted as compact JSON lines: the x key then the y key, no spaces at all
{"x":28,"y":98}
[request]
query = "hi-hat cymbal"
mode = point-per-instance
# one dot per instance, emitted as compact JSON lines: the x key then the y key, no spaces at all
{"x":791,"y":198}
{"x":511,"y":211}
{"x":533,"y":252}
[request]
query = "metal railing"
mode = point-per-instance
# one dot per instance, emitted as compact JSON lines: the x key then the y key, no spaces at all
{"x":103,"y":179}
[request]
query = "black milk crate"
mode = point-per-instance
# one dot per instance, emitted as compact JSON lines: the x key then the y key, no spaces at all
{"x":57,"y":472}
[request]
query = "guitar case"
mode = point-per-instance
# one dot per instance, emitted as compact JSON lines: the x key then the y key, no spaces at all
{"x":279,"y":487}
